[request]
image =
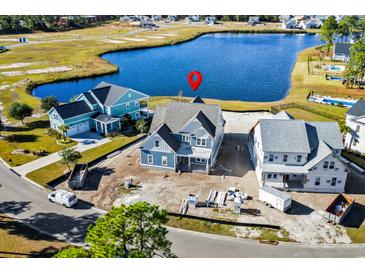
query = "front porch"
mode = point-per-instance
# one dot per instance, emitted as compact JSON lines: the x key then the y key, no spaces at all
{"x":190,"y":164}
{"x":106,"y":124}
{"x":284,"y":181}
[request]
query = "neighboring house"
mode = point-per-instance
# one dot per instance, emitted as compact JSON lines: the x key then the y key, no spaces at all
{"x":184,"y":137}
{"x":341,"y":52}
{"x":291,"y":154}
{"x":173,"y":18}
{"x":210,"y":20}
{"x":288,"y":24}
{"x":312,"y":23}
{"x":355,"y":120}
{"x":192,"y":19}
{"x":254,"y":20}
{"x":100,"y":109}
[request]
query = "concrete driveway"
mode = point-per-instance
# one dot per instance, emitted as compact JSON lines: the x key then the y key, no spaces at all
{"x":85,"y":141}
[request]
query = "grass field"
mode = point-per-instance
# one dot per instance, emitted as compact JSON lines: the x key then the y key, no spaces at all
{"x":298,"y":113}
{"x":357,"y":235}
{"x":53,"y":171}
{"x":31,"y":137}
{"x":226,"y":230}
{"x":21,"y":241}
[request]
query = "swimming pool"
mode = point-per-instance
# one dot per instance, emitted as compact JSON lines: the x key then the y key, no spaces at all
{"x":338,"y":102}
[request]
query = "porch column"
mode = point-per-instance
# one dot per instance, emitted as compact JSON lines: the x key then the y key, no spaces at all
{"x":106,"y":129}
{"x":206,"y":165}
{"x":189,"y":161}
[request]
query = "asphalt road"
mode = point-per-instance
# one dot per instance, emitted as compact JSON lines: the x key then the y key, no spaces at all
{"x":29,"y":203}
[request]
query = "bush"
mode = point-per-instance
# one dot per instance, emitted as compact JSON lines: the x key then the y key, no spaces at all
{"x":54,"y":133}
{"x":49,"y":102}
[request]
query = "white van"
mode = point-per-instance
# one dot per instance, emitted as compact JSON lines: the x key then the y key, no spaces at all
{"x":62,"y":197}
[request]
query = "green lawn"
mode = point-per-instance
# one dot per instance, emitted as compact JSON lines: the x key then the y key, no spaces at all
{"x":226,"y":230}
{"x":353,"y":158}
{"x":21,"y":241}
{"x":357,"y":235}
{"x":306,"y":115}
{"x":53,"y":171}
{"x":31,"y":137}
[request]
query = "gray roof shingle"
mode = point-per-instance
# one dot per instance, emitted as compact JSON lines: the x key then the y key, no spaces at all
{"x":165,"y":133}
{"x":329,"y":132}
{"x":73,"y":109}
{"x":177,"y":114}
{"x":107,"y":93}
{"x":284,"y":136}
{"x":358,"y":109}
{"x":342,"y":48}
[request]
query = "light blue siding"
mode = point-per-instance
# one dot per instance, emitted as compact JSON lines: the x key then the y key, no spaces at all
{"x":157,"y":158}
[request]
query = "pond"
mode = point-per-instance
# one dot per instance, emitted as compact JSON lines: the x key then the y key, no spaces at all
{"x":247,"y":67}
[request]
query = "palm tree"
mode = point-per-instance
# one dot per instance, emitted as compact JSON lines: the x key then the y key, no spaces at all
{"x":69,"y":157}
{"x":64,"y":128}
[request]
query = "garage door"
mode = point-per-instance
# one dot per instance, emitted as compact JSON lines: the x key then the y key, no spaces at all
{"x":73,"y":130}
{"x":84,"y":127}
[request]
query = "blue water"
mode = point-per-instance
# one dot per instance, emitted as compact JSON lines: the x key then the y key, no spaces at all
{"x":248,"y":67}
{"x":336,"y":102}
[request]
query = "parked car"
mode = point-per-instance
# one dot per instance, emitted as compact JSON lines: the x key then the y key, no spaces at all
{"x":3,"y":48}
{"x":62,"y":197}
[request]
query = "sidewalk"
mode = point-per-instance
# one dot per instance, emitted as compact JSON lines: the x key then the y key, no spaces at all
{"x":54,"y":157}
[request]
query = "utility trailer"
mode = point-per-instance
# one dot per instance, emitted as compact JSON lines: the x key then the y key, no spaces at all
{"x":339,"y":208}
{"x":78,"y":176}
{"x":275,"y":198}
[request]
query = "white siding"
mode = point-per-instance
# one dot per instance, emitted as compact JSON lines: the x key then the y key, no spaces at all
{"x":359,"y":136}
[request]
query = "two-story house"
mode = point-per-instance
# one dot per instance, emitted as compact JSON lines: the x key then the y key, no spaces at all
{"x":296,"y":155}
{"x":184,"y":136}
{"x":355,"y":120}
{"x":100,"y":108}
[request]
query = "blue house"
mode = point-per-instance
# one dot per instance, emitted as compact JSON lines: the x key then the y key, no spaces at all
{"x":184,"y":137}
{"x":100,"y":109}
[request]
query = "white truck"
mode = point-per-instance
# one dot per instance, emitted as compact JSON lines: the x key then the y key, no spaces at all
{"x":275,"y":198}
{"x":62,"y":197}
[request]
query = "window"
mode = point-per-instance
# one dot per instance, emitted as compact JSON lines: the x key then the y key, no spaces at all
{"x":332,"y":165}
{"x":157,"y":143}
{"x":269,"y":175}
{"x":333,"y":181}
{"x":136,"y":103}
{"x":325,"y":164}
{"x":318,"y":181}
{"x":127,"y":106}
{"x":55,"y":116}
{"x":201,"y":160}
{"x":358,"y":128}
{"x":271,"y":158}
{"x":201,"y":142}
{"x":285,"y":158}
{"x":299,"y":158}
{"x":150,"y":159}
{"x":136,"y":115}
{"x":164,"y":160}
{"x":274,"y":176}
{"x":129,"y":95}
{"x":185,"y":138}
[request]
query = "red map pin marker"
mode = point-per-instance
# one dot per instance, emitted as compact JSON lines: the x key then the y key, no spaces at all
{"x":195,"y":83}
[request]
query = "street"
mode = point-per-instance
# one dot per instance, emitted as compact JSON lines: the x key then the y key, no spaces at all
{"x":29,"y":203}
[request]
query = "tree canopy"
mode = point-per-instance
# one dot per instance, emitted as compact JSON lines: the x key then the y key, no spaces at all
{"x":69,"y":156}
{"x":328,"y":31}
{"x":20,"y":111}
{"x":134,"y":231}
{"x":49,"y":102}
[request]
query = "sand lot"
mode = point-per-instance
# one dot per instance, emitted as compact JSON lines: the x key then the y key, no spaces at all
{"x":105,"y":187}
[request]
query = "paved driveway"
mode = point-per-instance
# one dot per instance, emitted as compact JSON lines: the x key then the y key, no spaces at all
{"x":85,"y":141}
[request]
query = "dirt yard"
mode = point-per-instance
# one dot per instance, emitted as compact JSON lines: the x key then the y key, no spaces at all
{"x":105,"y":187}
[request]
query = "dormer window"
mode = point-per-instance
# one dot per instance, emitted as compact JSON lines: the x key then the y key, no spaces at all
{"x":185,"y":138}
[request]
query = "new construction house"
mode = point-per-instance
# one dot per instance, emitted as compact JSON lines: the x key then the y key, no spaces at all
{"x":184,"y":137}
{"x":291,"y":154}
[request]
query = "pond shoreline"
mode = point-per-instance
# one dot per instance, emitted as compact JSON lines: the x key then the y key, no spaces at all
{"x":31,"y":86}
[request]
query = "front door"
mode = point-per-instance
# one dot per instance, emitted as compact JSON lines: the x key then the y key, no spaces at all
{"x":286,"y":177}
{"x":184,"y":161}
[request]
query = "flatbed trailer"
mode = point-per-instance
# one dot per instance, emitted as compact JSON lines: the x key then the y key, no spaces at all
{"x":339,"y":208}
